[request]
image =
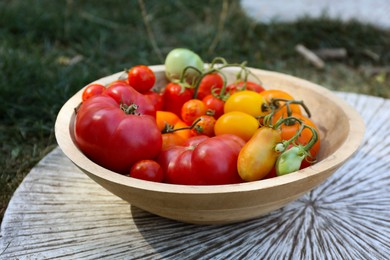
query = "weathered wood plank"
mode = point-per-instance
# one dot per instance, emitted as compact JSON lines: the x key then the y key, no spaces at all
{"x":58,"y":212}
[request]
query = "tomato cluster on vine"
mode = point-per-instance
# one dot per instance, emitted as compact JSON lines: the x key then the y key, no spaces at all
{"x":198,"y":129}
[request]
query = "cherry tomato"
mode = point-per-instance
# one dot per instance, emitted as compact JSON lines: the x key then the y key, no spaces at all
{"x":242,"y":85}
{"x":118,"y":82}
{"x":168,"y":121}
{"x":215,"y":105}
{"x":147,"y":170}
{"x":205,"y":126}
{"x":141,"y":78}
{"x":92,"y":90}
{"x":155,"y":98}
{"x":274,"y":94}
{"x":236,"y":123}
{"x":289,"y":130}
{"x":257,"y":158}
{"x":180,"y":58}
{"x":174,"y":96}
{"x":246,"y":101}
{"x":208,"y":83}
{"x":191,"y":110}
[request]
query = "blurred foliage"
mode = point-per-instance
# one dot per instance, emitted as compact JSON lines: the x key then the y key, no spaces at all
{"x":50,"y":49}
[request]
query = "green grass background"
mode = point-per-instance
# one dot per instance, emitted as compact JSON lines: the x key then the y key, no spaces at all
{"x":50,"y":49}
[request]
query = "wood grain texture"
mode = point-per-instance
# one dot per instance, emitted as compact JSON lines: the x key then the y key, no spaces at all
{"x":58,"y":212}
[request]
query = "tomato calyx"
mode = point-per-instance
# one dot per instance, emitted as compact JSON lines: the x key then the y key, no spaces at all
{"x":129,"y":109}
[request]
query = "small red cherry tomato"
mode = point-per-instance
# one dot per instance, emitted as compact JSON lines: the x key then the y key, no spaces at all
{"x":191,"y":110}
{"x":92,"y":90}
{"x":174,"y":96}
{"x":208,"y":83}
{"x":147,"y":170}
{"x":155,"y":98}
{"x":242,"y":85}
{"x":215,"y":105}
{"x":205,"y":126}
{"x":141,"y":78}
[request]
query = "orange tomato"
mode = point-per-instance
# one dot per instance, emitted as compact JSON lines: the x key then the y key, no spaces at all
{"x":192,"y":109}
{"x":282,"y":108}
{"x":289,"y":130}
{"x":168,"y":121}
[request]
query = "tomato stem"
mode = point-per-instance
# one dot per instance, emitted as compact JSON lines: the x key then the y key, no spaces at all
{"x":129,"y":109}
{"x":169,"y":129}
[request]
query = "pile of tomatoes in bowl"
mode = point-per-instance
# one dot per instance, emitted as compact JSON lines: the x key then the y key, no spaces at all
{"x":201,"y":128}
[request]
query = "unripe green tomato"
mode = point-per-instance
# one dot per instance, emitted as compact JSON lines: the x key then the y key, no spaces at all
{"x":289,"y":161}
{"x":180,"y":58}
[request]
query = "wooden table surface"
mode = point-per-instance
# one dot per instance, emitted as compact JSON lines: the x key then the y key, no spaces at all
{"x":58,"y":212}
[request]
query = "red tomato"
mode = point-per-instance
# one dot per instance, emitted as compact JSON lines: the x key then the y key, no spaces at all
{"x":203,"y":161}
{"x":242,"y":85}
{"x":209,"y":82}
{"x":125,"y":95}
{"x":119,"y":82}
{"x":174,"y":96}
{"x":205,"y":126}
{"x":113,"y":138}
{"x":215,"y":105}
{"x":191,"y":110}
{"x":155,"y":98}
{"x":141,"y":78}
{"x":92,"y":90}
{"x":147,"y":170}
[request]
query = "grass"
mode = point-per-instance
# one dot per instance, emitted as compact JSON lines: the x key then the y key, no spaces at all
{"x":50,"y":49}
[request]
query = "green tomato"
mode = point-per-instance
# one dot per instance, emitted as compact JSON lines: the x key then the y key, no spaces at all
{"x":178,"y":59}
{"x":290,"y":160}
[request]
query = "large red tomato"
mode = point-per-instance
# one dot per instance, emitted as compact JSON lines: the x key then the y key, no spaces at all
{"x":203,"y":161}
{"x":117,"y":129}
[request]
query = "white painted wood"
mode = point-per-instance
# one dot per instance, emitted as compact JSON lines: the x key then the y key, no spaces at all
{"x":59,"y":212}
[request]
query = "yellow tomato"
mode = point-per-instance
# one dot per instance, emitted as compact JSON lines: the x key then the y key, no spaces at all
{"x":246,"y":101}
{"x":236,"y":123}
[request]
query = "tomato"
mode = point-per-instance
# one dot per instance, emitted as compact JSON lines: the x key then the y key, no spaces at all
{"x":147,"y":170}
{"x":127,"y":96}
{"x":214,"y":105}
{"x":155,"y":98}
{"x":92,"y":90}
{"x":118,"y":82}
{"x":203,"y":161}
{"x":191,"y":110}
{"x":290,"y":129}
{"x":205,"y":126}
{"x":290,"y":160}
{"x":236,"y":123}
{"x":257,"y":158}
{"x":168,"y":121}
{"x":174,"y":96}
{"x":209,"y":82}
{"x":242,"y":85}
{"x":271,"y":94}
{"x":141,"y":78}
{"x":180,"y":58}
{"x":248,"y":102}
{"x":113,"y":138}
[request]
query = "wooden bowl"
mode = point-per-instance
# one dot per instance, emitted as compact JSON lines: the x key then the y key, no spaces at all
{"x":341,"y":130}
